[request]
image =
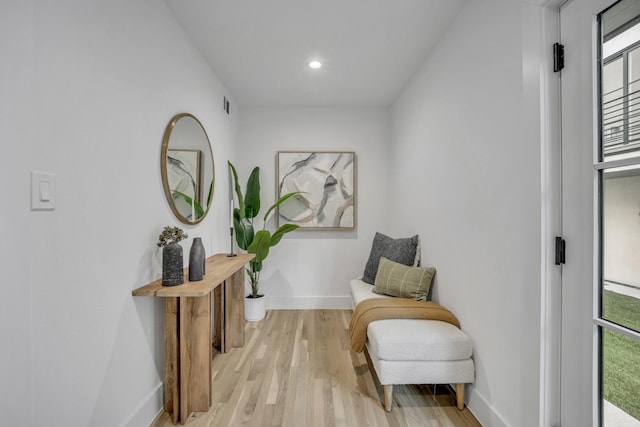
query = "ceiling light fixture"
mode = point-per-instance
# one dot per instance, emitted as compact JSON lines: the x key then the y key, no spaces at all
{"x":315,"y":64}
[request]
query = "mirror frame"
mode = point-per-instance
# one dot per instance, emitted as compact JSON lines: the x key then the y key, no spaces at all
{"x":163,"y":166}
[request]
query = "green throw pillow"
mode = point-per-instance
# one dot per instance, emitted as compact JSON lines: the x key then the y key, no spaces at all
{"x":399,"y":280}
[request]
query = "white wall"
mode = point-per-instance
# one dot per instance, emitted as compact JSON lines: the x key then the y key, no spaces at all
{"x":16,"y":73}
{"x":87,"y":93}
{"x":621,"y":228}
{"x":466,"y":154}
{"x":312,"y":269}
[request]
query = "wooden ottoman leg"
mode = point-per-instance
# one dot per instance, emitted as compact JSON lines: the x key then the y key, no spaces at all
{"x":388,"y":397}
{"x":460,"y":396}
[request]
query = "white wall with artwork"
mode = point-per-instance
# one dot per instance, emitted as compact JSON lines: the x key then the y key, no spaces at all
{"x":311,"y":268}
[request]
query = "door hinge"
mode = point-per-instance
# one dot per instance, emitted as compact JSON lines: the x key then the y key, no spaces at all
{"x":561,"y":248}
{"x":558,"y":57}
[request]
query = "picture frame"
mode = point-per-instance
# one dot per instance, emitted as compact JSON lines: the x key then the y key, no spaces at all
{"x":327,"y":182}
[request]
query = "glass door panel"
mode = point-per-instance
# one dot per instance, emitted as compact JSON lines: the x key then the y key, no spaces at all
{"x":618,"y":168}
{"x":634,"y":96}
{"x":621,"y":380}
{"x":621,"y":248}
{"x":613,"y":105}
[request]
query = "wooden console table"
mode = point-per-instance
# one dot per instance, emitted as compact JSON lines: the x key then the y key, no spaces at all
{"x":188,"y":332}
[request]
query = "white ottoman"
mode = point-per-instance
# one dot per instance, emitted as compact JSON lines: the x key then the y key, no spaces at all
{"x":413,"y":351}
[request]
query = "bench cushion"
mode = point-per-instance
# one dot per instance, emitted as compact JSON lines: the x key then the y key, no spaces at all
{"x":361,"y":291}
{"x":416,"y":339}
{"x":411,"y":339}
{"x":423,"y":371}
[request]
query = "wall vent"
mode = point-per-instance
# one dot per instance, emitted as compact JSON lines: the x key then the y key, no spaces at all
{"x":226,"y":106}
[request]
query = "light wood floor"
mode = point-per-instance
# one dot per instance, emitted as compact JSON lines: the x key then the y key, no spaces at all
{"x":296,"y":369}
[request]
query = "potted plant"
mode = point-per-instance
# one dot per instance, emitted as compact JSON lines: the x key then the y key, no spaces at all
{"x":253,"y":242}
{"x":172,"y":273}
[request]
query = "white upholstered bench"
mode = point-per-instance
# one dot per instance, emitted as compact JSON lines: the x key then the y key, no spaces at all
{"x":415,"y":351}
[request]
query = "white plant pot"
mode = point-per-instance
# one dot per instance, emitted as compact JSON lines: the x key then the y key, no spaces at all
{"x":254,"y":308}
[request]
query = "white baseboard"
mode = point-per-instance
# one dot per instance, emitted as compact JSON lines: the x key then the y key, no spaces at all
{"x":147,"y":411}
{"x":308,"y":303}
{"x":483,"y":411}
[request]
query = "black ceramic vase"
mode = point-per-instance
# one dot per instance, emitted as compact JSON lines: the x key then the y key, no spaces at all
{"x":172,"y":273}
{"x":196,"y":260}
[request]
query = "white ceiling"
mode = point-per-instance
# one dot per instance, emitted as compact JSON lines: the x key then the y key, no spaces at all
{"x":369,"y":49}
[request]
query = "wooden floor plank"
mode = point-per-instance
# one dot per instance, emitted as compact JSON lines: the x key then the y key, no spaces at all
{"x":296,"y":369}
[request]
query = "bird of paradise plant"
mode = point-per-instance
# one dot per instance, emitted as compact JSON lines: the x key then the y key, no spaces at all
{"x":247,"y":238}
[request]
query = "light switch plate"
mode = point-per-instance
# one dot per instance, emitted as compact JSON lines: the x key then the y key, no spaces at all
{"x":43,"y":191}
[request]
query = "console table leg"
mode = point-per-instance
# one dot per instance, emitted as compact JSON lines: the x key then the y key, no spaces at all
{"x":234,"y":309}
{"x":184,"y":330}
{"x":218,"y":319}
{"x":171,"y":383}
{"x":199,"y":349}
{"x":194,"y":334}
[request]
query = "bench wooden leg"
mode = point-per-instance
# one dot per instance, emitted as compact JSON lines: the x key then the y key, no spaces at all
{"x":460,"y":396}
{"x":388,"y":397}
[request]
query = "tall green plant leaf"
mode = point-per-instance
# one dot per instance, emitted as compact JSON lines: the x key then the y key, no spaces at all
{"x":260,"y":245}
{"x":279,"y":202}
{"x":252,"y":194}
{"x":284,"y":229}
{"x":244,"y":230}
{"x":237,"y":188}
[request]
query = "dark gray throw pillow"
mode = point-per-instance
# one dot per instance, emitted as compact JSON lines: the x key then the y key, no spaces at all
{"x":404,"y":251}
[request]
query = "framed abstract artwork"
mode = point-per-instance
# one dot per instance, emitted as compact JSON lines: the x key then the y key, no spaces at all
{"x":327,"y":182}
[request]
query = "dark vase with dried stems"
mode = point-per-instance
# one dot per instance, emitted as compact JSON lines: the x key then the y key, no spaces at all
{"x":172,"y":271}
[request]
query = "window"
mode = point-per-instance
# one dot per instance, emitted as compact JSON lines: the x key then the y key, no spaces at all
{"x":618,"y":167}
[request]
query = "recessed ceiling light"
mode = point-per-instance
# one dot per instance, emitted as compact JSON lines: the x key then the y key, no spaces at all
{"x":315,"y":64}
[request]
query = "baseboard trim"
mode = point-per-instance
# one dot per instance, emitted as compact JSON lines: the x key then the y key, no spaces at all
{"x":483,"y":411}
{"x":308,"y":303}
{"x":148,"y":409}
{"x":157,"y":420}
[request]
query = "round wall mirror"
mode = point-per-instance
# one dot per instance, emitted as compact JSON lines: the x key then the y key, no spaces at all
{"x":187,"y":168}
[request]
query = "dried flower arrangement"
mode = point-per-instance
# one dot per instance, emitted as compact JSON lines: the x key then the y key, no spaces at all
{"x":171,"y":235}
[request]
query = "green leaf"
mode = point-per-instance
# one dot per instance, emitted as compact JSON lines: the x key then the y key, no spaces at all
{"x":256,"y":266}
{"x":279,"y":202}
{"x":237,"y":188}
{"x":210,"y":195}
{"x":284,"y":229}
{"x":196,"y":206}
{"x":244,"y":230}
{"x":252,"y":195}
{"x":260,"y":245}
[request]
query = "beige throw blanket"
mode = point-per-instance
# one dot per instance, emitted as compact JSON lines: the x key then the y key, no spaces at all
{"x":393,"y":308}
